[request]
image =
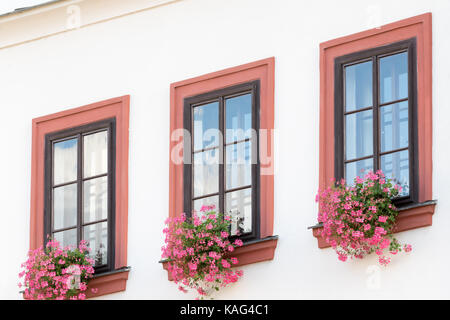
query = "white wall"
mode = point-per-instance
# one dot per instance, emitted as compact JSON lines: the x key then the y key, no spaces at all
{"x":141,"y":54}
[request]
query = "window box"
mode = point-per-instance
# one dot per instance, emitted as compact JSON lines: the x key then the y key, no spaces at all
{"x":411,"y":217}
{"x":106,"y":283}
{"x":256,"y":251}
{"x":109,"y":282}
{"x":251,"y":252}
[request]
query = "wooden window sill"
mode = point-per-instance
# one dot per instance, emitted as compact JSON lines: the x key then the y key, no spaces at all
{"x":107,"y":283}
{"x":410,"y":217}
{"x":251,"y":252}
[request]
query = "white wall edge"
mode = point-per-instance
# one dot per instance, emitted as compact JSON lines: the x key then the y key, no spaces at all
{"x":23,"y":27}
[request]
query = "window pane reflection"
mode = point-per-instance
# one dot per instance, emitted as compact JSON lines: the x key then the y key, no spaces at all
{"x":238,"y":205}
{"x":357,"y":169}
{"x":394,"y":77}
{"x":206,"y":126}
{"x":396,"y":166}
{"x":65,"y":206}
{"x":358,"y":86}
{"x":238,"y":165}
{"x":238,"y":118}
{"x":95,"y":198}
{"x":206,"y":172}
{"x":97,"y":237}
{"x":394,"y":126}
{"x":65,"y":161}
{"x":199,"y":203}
{"x":66,"y":238}
{"x":358,"y":135}
{"x":95,"y":154}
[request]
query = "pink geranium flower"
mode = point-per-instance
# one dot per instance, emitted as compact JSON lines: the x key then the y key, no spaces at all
{"x":43,"y":280}
{"x":204,"y":240}
{"x":358,"y":219}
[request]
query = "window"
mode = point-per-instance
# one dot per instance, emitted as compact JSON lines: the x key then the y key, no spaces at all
{"x":223,"y":166}
{"x":79,"y":185}
{"x":388,"y":106}
{"x":375,"y":115}
{"x":240,"y":99}
{"x":79,"y":189}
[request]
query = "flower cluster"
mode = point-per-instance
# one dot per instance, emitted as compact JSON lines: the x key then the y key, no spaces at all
{"x":55,"y":273}
{"x":197,"y":250}
{"x":359,"y":219}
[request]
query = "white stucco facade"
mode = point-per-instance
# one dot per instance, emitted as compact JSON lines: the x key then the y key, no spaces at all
{"x":139,"y":48}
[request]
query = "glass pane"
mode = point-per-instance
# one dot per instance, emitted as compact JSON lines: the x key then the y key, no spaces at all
{"x":198,"y":204}
{"x":238,"y":205}
{"x":358,"y":135}
{"x":358,"y":86}
{"x":394,"y":77}
{"x":65,"y":206}
{"x":396,"y":166}
{"x":206,"y":172}
{"x":238,"y":164}
{"x":95,"y":154}
{"x":66,"y":238}
{"x":357,"y":169}
{"x":95,"y":198}
{"x":238,"y":112}
{"x":394,"y":126}
{"x":206,"y":126}
{"x":65,"y":161}
{"x":97,"y":237}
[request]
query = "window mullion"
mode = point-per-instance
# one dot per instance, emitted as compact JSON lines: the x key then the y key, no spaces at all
{"x":221,"y":155}
{"x":376,"y":120}
{"x":79,"y":188}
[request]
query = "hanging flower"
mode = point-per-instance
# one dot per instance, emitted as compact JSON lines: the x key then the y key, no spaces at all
{"x":195,"y":249}
{"x":55,"y":273}
{"x":359,"y":219}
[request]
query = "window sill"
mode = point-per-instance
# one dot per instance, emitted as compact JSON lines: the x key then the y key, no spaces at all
{"x":109,"y":282}
{"x":410,"y":217}
{"x":251,"y":252}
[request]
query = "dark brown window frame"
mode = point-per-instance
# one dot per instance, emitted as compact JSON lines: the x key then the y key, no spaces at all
{"x":79,"y":132}
{"x":220,"y":95}
{"x":373,"y":55}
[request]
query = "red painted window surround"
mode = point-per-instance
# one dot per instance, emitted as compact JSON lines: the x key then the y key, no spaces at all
{"x":419,"y":27}
{"x":264,"y":70}
{"x":118,"y":108}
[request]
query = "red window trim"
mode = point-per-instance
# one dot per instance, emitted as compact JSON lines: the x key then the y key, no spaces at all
{"x":419,"y":27}
{"x":116,"y":107}
{"x":264,"y":70}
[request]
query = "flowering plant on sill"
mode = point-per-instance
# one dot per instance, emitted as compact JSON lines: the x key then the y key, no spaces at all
{"x":55,"y":273}
{"x":359,"y":219}
{"x":195,"y":249}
